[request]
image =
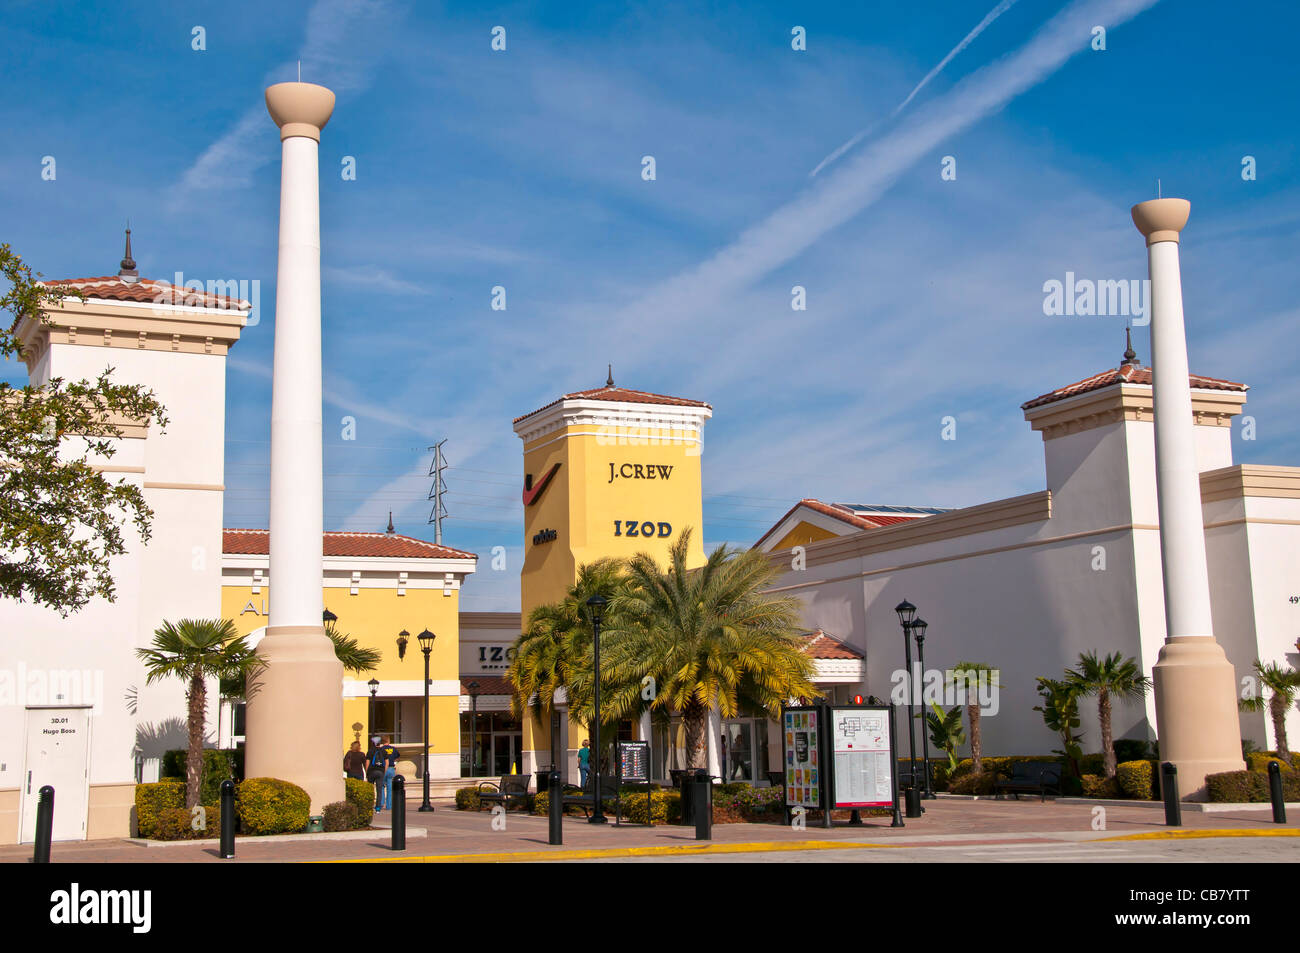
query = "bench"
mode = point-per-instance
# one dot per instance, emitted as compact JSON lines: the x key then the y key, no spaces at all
{"x":512,"y":789}
{"x":584,"y":797}
{"x":1031,"y":777}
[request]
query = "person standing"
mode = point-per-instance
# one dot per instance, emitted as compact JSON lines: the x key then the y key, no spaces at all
{"x":383,"y":767}
{"x":354,"y":762}
{"x":584,"y":762}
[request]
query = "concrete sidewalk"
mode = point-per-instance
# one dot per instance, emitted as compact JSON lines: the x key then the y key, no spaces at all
{"x":457,"y":836}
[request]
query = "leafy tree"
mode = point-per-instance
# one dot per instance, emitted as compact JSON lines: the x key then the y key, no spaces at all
{"x":946,"y":732}
{"x":61,"y":518}
{"x":195,"y":650}
{"x":554,"y":650}
{"x":1112,"y":676}
{"x":1283,"y":684}
{"x":1060,"y":711}
{"x":967,"y":675}
{"x":690,"y":640}
{"x":355,"y":657}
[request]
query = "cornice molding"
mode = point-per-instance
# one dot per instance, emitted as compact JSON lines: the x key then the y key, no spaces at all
{"x":1120,"y":402}
{"x":1246,"y":479}
{"x":616,"y":416}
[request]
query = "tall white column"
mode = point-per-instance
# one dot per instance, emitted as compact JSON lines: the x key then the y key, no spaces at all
{"x":295,"y":709}
{"x":1195,"y":685}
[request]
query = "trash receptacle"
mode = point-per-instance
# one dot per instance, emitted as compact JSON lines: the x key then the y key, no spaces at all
{"x":689,"y":780}
{"x":543,"y":780}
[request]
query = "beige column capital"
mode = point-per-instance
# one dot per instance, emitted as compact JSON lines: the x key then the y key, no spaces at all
{"x":299,"y":109}
{"x":1160,"y":220}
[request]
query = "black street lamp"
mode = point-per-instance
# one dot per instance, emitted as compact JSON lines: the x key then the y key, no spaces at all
{"x":328,"y":616}
{"x":402,"y":638}
{"x":426,"y":646}
{"x":906,"y":613}
{"x":370,"y":724}
{"x":918,"y":632}
{"x":597,"y":604}
{"x":473,"y":722}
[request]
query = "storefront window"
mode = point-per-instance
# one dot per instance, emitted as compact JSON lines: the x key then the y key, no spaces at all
{"x":744,"y":743}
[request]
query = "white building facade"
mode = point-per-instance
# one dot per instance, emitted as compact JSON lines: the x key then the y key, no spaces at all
{"x":1027,"y":584}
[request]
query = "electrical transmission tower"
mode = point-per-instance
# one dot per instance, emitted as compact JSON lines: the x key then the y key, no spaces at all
{"x":438,"y":490}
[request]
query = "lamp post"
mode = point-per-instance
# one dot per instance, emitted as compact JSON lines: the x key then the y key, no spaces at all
{"x":426,"y":646}
{"x":918,"y":631}
{"x":328,"y":616}
{"x":403,"y":637}
{"x":906,"y":613}
{"x":370,"y":721}
{"x":473,"y":722}
{"x":597,"y":604}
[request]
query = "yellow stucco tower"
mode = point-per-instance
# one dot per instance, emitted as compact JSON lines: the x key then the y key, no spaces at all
{"x":607,"y":472}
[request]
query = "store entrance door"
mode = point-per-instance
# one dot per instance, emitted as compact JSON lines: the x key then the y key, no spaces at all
{"x":506,"y":748}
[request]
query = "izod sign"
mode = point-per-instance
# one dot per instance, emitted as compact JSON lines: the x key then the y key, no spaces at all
{"x":639,"y":471}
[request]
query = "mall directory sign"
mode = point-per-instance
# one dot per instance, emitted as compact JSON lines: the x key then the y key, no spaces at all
{"x":802,"y":746}
{"x":862,"y":753}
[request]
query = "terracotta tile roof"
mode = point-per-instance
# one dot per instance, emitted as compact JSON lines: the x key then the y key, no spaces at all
{"x":257,"y":542}
{"x":622,"y":395}
{"x":487,"y":685}
{"x":113,"y":288}
{"x":819,"y":645}
{"x":1125,"y":374}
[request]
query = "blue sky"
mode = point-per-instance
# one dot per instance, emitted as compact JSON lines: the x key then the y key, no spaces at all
{"x":522,"y":168}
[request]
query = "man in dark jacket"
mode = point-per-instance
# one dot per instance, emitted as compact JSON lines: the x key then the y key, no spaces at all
{"x":383,"y":767}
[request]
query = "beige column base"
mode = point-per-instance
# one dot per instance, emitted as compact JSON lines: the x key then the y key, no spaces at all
{"x":295,"y":707}
{"x":1196,"y":712}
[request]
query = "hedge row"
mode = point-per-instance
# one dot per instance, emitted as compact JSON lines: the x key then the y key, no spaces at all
{"x":262,"y":805}
{"x":1235,"y":787}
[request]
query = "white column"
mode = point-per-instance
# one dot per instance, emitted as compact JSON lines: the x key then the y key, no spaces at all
{"x":715,"y":743}
{"x":295,"y":707}
{"x":1195,"y":685}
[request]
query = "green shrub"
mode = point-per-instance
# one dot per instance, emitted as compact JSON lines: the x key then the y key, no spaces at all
{"x":466,"y":799}
{"x":179,"y":823}
{"x":361,"y":795}
{"x":634,"y":808}
{"x":1234,"y":787}
{"x":1133,"y":749}
{"x":151,"y":799}
{"x":272,"y":806}
{"x":216,"y":766}
{"x":340,"y":816}
{"x":1092,"y":764}
{"x":730,"y":788}
{"x":1095,"y":785}
{"x":1258,"y":761}
{"x":980,"y":784}
{"x":1137,"y":779}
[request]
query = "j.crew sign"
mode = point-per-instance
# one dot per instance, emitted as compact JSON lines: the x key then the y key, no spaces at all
{"x":639,"y":471}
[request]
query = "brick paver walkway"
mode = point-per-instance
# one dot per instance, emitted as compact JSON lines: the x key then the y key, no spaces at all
{"x":453,"y":833}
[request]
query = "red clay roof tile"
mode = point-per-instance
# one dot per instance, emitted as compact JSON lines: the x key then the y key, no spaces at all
{"x":257,"y":542}
{"x":1126,"y":374}
{"x":622,"y":395}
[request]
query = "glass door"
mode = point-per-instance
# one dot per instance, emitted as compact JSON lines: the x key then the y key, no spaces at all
{"x":738,"y":738}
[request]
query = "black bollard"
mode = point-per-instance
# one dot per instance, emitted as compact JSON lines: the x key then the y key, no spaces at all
{"x":702,"y":797}
{"x":227,"y":851}
{"x":44,"y":826}
{"x":555,"y":808}
{"x":1169,"y":788}
{"x":398,"y":809}
{"x":1275,"y":792}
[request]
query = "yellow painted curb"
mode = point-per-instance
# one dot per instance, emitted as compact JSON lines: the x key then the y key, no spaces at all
{"x":1193,"y":834}
{"x":603,"y":852}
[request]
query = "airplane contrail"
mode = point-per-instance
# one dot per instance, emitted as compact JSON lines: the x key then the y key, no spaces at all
{"x":980,"y":27}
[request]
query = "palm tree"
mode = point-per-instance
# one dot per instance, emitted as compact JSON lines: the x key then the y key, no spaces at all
{"x":355,"y":657}
{"x":709,"y":637}
{"x":1113,"y":675}
{"x":1282,"y":684}
{"x":968,"y":674}
{"x":554,"y":650}
{"x":945,"y":732}
{"x":195,"y":650}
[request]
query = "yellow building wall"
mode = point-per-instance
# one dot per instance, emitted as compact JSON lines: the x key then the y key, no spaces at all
{"x":802,"y":535}
{"x":590,"y":506}
{"x":374,"y":617}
